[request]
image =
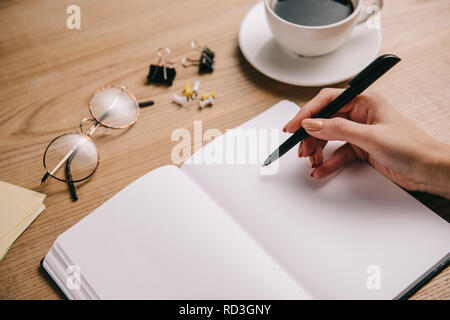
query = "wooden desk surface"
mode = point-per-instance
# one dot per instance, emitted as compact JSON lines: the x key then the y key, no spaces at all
{"x":48,"y":73}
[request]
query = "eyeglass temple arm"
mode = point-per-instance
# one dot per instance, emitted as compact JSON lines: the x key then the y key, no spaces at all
{"x":142,"y":104}
{"x":44,"y":177}
{"x":146,"y":104}
{"x":70,"y":184}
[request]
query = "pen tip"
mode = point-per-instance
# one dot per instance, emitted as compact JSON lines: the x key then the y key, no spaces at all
{"x":267,"y":162}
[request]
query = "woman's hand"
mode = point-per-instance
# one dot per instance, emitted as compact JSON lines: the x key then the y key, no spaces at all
{"x":377,"y":133}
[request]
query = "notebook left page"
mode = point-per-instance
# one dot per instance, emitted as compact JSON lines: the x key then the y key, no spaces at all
{"x":163,"y":238}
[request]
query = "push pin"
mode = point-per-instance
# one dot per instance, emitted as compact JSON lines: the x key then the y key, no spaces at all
{"x":161,"y":73}
{"x":196,"y":88}
{"x":206,"y":61}
{"x":181,"y":101}
{"x":188,"y":92}
{"x":206,"y":103}
{"x":207,"y":95}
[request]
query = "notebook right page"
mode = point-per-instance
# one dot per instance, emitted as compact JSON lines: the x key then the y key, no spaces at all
{"x":353,"y":235}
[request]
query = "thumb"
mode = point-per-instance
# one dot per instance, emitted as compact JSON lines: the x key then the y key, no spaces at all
{"x":338,"y":129}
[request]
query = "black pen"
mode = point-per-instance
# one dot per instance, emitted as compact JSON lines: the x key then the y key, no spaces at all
{"x":357,"y":85}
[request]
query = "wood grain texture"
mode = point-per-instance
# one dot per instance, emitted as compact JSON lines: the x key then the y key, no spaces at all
{"x":48,"y":72}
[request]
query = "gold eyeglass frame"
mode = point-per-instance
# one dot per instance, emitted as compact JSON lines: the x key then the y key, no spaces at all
{"x":97,"y":123}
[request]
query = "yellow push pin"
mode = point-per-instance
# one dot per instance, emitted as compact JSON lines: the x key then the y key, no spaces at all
{"x":187,"y":91}
{"x":205,"y":96}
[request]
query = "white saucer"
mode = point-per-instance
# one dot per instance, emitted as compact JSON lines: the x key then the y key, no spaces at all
{"x":263,"y":53}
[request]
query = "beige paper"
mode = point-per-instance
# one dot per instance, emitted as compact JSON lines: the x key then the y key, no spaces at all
{"x":18,"y":209}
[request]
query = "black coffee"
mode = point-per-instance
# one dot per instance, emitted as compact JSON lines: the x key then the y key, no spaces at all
{"x":313,"y":12}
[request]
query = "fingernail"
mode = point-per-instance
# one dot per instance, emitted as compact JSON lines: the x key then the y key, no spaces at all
{"x":300,"y":150}
{"x":311,"y":161}
{"x":289,"y":129}
{"x":312,"y":124}
{"x":316,"y":161}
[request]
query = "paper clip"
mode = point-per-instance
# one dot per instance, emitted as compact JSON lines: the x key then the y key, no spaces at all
{"x":161,"y":73}
{"x":204,"y":50}
{"x":206,"y":61}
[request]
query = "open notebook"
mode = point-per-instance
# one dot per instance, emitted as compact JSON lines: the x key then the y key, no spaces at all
{"x":215,"y":231}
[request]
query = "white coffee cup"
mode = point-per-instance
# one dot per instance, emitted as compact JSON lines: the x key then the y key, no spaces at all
{"x":310,"y":41}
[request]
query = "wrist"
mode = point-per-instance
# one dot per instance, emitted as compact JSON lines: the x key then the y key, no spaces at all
{"x":437,"y":170}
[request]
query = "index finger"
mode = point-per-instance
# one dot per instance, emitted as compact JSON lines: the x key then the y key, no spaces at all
{"x":324,"y":97}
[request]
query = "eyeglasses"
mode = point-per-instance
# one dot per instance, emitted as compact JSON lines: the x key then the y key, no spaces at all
{"x":73,"y":157}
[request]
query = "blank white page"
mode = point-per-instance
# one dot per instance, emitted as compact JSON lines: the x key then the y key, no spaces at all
{"x":163,"y":238}
{"x":333,"y":234}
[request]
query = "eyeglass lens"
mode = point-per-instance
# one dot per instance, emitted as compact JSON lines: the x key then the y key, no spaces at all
{"x":71,"y":153}
{"x":114,"y":107}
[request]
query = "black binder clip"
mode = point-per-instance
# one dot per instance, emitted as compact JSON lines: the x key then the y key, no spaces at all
{"x":161,"y":72}
{"x":206,"y":61}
